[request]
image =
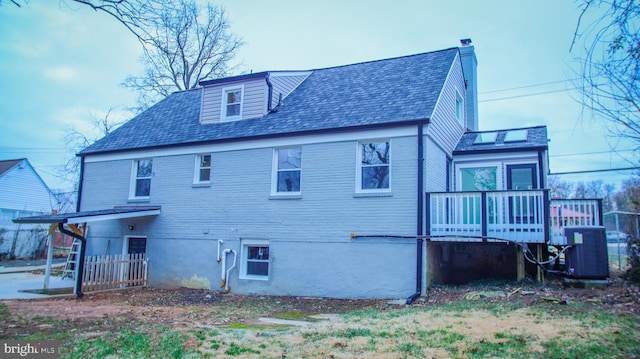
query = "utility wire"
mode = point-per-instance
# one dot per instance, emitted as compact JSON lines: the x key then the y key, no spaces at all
{"x":525,"y":95}
{"x":526,"y":86}
{"x":594,"y":171}
{"x":590,"y":153}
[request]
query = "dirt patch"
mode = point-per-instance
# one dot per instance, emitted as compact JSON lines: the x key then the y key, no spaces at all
{"x":193,"y":308}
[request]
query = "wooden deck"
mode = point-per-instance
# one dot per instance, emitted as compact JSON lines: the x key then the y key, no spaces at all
{"x":522,"y":216}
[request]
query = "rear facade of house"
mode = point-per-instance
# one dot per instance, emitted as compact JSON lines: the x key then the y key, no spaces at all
{"x":315,"y":183}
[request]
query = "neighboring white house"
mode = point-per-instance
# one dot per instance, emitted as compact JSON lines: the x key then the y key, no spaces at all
{"x":22,"y":193}
{"x":367,"y":180}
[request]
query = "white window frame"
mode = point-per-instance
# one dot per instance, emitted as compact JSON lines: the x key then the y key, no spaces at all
{"x":359,"y":166}
{"x":134,"y":178}
{"x":199,"y":167}
{"x":223,"y":109}
{"x":276,"y":170}
{"x":459,"y":107}
{"x":244,"y":254}
{"x":500,"y":184}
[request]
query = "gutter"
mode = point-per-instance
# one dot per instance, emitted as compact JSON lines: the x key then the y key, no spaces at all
{"x":419,"y":221}
{"x":80,"y":268}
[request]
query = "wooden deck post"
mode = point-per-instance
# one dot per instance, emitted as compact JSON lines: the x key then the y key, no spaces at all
{"x":539,"y":272}
{"x":520,"y":263}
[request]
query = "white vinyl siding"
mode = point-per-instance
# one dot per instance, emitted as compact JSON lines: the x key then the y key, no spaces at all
{"x":22,"y":189}
{"x":254,"y":101}
{"x":459,"y":108}
{"x":284,"y":83}
{"x":444,"y":127}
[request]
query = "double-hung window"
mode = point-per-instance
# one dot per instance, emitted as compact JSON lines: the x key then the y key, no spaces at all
{"x":287,"y":170}
{"x":203,"y":169}
{"x":374,"y":163}
{"x":255,"y":259}
{"x":141,"y":178}
{"x":232,"y":103}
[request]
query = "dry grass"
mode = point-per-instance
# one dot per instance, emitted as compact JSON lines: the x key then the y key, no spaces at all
{"x":419,"y":333}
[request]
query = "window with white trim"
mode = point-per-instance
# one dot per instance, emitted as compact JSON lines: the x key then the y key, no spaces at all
{"x":255,"y":259}
{"x":203,"y":168}
{"x":287,"y":170}
{"x":141,"y":178}
{"x":459,"y":108}
{"x":232,"y":103}
{"x":374,"y":163}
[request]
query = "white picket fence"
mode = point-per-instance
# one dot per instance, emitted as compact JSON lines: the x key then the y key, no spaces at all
{"x":114,"y":271}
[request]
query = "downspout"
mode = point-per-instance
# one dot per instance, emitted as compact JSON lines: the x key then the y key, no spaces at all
{"x":233,"y":265}
{"x":79,"y":198}
{"x":269,"y":93}
{"x":80,"y":268}
{"x":218,"y":258}
{"x":420,"y":209}
{"x":224,"y":273}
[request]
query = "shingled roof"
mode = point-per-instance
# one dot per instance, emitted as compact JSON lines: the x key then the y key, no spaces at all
{"x":370,"y":94}
{"x":8,"y":164}
{"x":536,"y":139}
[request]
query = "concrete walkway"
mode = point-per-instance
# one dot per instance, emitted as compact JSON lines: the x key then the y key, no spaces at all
{"x":14,"y":279}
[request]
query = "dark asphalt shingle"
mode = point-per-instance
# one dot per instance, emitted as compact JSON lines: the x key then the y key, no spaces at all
{"x":371,"y":93}
{"x":536,"y":139}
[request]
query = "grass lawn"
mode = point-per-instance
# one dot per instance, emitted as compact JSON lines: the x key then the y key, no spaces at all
{"x":477,"y":327}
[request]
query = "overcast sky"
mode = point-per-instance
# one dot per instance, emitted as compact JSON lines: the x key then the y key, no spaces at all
{"x":61,"y":66}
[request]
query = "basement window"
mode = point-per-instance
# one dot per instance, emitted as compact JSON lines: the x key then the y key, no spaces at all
{"x":255,"y":259}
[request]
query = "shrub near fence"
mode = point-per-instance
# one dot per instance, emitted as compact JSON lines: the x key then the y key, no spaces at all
{"x":114,"y":271}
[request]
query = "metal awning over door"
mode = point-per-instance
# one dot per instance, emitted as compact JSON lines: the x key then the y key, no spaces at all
{"x":93,"y":216}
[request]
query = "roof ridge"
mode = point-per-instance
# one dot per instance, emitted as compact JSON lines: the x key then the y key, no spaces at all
{"x":385,"y":59}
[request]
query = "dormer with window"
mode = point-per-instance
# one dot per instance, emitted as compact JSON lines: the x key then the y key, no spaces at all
{"x":247,"y":96}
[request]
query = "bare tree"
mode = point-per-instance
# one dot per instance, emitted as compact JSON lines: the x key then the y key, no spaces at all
{"x":182,"y":43}
{"x":78,"y":140}
{"x":609,"y":32}
{"x":559,"y":189}
{"x":185,"y":44}
{"x":135,"y":15}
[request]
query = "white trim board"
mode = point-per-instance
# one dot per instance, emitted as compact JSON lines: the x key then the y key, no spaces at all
{"x":409,"y":130}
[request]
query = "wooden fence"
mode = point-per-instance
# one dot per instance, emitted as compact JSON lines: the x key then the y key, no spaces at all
{"x":114,"y":271}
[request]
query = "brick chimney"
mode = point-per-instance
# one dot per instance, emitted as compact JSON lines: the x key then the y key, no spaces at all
{"x":470,"y":71}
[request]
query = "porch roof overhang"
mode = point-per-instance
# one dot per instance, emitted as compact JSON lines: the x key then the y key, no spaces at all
{"x":93,"y":216}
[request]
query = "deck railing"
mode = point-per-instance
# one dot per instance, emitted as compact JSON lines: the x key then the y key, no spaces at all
{"x":573,"y":213}
{"x":522,"y":216}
